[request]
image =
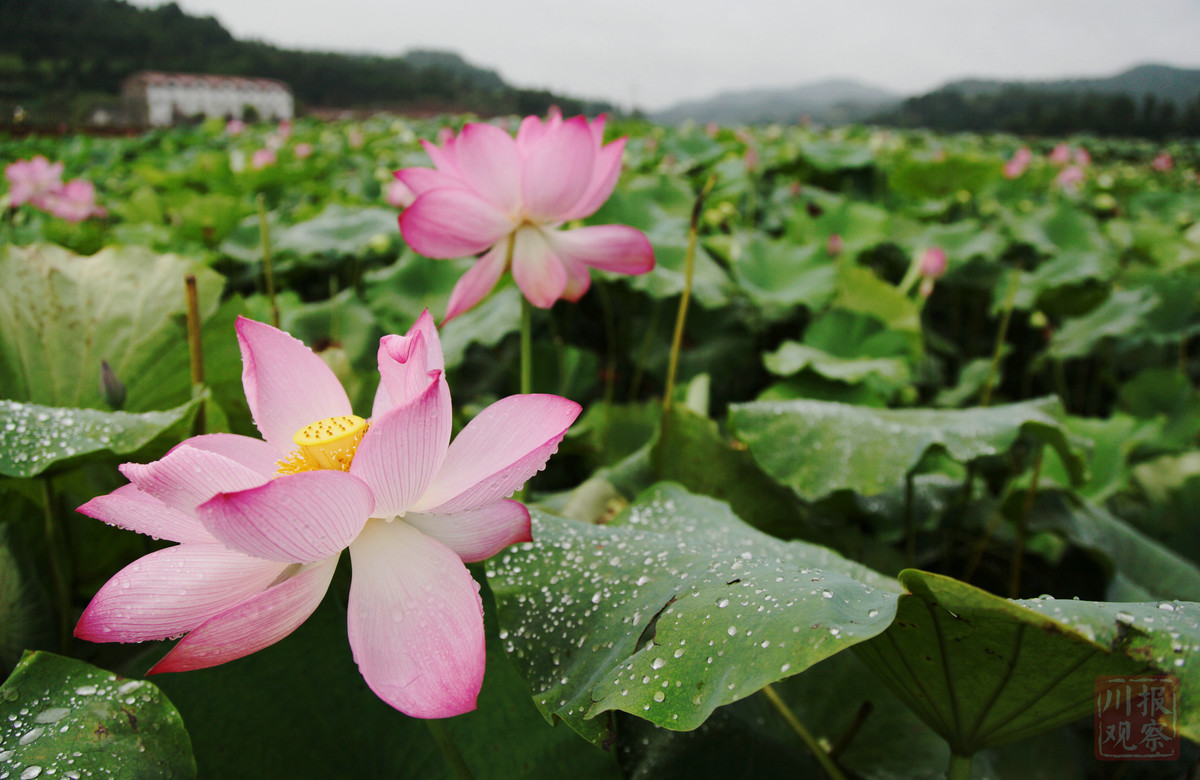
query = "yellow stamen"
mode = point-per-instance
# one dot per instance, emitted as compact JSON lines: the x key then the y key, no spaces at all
{"x":325,"y":444}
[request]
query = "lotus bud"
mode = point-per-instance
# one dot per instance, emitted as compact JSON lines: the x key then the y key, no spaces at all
{"x":112,"y":390}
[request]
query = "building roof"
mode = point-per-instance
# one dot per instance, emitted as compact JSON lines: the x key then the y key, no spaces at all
{"x":158,"y":78}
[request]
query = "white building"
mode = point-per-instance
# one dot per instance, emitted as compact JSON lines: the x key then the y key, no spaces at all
{"x":162,"y":98}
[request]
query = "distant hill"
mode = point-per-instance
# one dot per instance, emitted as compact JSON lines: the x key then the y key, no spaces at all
{"x":61,"y":58}
{"x":1164,"y":82}
{"x":1149,"y":101}
{"x":832,"y":101}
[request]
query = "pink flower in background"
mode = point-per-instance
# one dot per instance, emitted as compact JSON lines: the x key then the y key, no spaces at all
{"x":1082,"y":158}
{"x":835,"y":245}
{"x":355,"y":138}
{"x":933,"y":262}
{"x":262,"y":158}
{"x":303,"y":150}
{"x":32,"y":180}
{"x":261,"y":524}
{"x":1162,"y":162}
{"x":445,"y":135}
{"x":487,"y":190}
{"x":1070,"y":178}
{"x":74,"y":202}
{"x":1060,"y":155}
{"x":931,"y":267}
{"x":751,"y":158}
{"x":234,"y":127}
{"x":1018,"y":163}
{"x":285,"y":129}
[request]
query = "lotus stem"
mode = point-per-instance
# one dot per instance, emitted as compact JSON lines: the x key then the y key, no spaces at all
{"x":264,"y":233}
{"x":441,"y":736}
{"x":195,"y":349}
{"x":681,"y":318}
{"x":805,"y":735}
{"x":960,"y":767}
{"x":610,"y":360}
{"x":1010,"y":298}
{"x":58,"y":570}
{"x":1014,"y":578}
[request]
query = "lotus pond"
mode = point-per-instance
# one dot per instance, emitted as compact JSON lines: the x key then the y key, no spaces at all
{"x":890,"y":461}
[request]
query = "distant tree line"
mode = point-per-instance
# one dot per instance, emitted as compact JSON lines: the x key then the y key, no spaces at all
{"x":61,"y":56}
{"x":1026,"y":111}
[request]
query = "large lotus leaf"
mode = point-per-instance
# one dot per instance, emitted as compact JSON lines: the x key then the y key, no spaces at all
{"x":1162,"y":635}
{"x":983,"y":670}
{"x":780,"y":275}
{"x":961,"y":240}
{"x":1158,"y":571}
{"x":860,"y":225}
{"x":36,"y":438}
{"x":942,"y":177}
{"x":339,"y":230}
{"x":846,"y":334}
{"x":66,"y":718}
{"x":1063,"y":270}
{"x":1124,"y":314}
{"x":673,"y":609}
{"x":860,"y":290}
{"x":691,"y":149}
{"x":818,"y":447}
{"x":1113,"y":440}
{"x":1060,"y":228}
{"x":832,"y":157}
{"x":61,"y":315}
{"x":971,"y":380}
{"x":1178,"y":313}
{"x":791,"y":358}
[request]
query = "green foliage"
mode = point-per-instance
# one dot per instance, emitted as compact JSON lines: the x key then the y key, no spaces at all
{"x":66,"y":716}
{"x":672,"y":610}
{"x":1028,"y":418}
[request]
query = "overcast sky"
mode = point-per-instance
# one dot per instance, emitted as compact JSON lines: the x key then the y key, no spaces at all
{"x":654,"y":53}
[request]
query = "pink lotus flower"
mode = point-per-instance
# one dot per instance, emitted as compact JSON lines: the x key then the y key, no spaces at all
{"x":931,"y":267}
{"x":234,"y":127}
{"x":1018,"y":163}
{"x":303,"y":150}
{"x":1162,"y":163}
{"x":262,"y":158}
{"x":32,"y":180}
{"x":261,"y":524}
{"x":1070,"y":178}
{"x":933,"y":262}
{"x":487,"y":190}
{"x":75,"y":201}
{"x":1060,"y":155}
{"x":835,"y":244}
{"x":1082,"y":158}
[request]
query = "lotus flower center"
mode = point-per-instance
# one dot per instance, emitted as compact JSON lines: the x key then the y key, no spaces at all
{"x":325,"y":444}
